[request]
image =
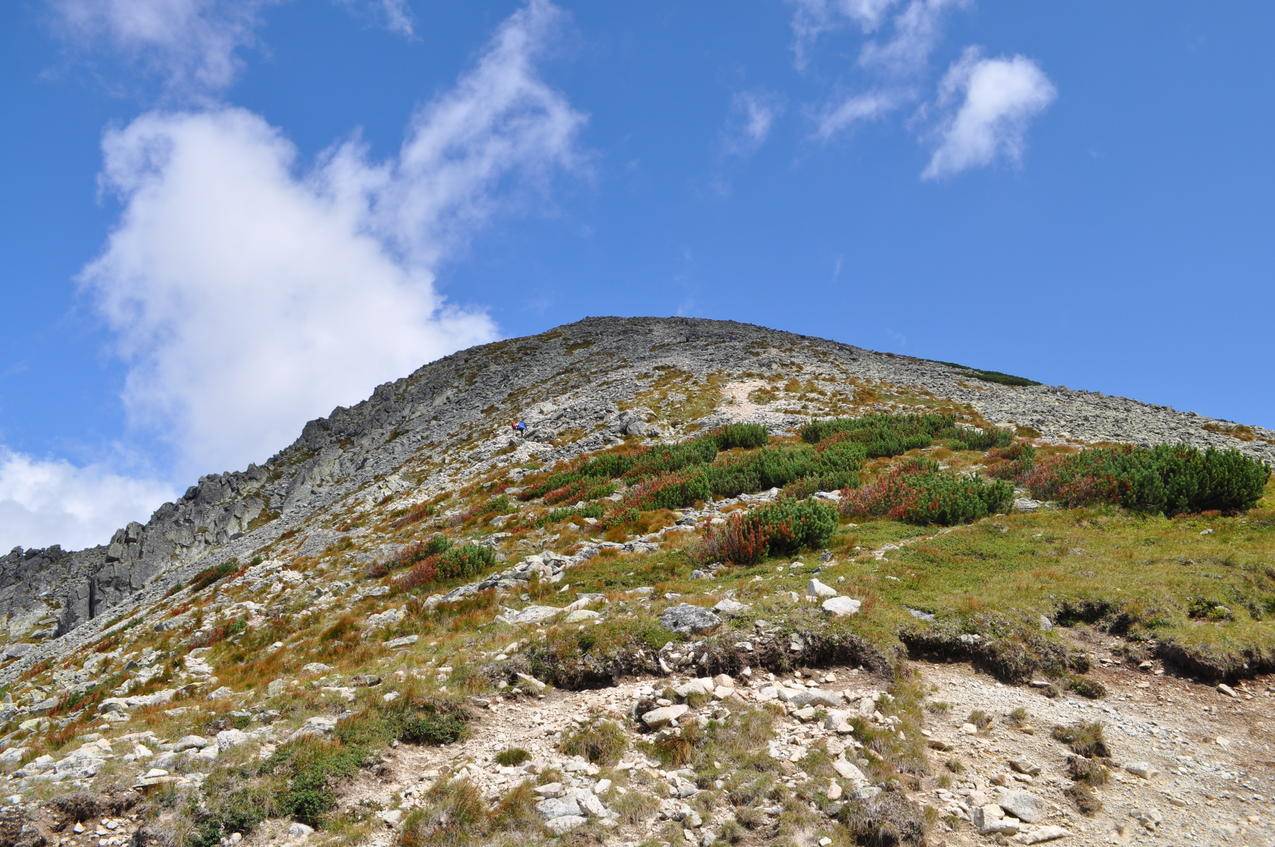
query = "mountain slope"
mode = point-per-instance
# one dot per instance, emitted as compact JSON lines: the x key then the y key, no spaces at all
{"x":267,"y":604}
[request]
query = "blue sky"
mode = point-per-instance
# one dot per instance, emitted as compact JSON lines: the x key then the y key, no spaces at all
{"x":225,"y":217}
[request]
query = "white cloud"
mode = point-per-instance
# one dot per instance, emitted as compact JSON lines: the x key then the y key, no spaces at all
{"x":398,"y":17}
{"x":811,"y":19}
{"x":194,"y":46}
{"x":250,"y":294}
{"x":394,"y":15}
{"x":753,"y":116}
{"x":998,"y":98}
{"x":855,"y":110}
{"x":914,"y":33}
{"x":44,"y":502}
{"x":891,"y":64}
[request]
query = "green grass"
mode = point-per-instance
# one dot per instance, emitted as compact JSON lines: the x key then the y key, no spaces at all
{"x":1145,"y":577}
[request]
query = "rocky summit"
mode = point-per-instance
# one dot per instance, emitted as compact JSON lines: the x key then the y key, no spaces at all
{"x":726,"y":585}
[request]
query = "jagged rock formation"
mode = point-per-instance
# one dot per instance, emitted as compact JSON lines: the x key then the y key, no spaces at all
{"x":573,"y":377}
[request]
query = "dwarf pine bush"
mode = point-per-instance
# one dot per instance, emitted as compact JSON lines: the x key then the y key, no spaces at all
{"x":1012,"y":462}
{"x":786,"y":526}
{"x":891,"y":435}
{"x":918,"y":492}
{"x":740,"y":435}
{"x":1164,"y":479}
{"x":454,"y":561}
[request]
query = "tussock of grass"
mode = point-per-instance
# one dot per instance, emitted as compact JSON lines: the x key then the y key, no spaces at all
{"x":601,"y":741}
{"x":1083,"y":739}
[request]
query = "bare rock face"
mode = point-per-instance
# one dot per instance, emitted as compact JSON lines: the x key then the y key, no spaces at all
{"x":608,"y":377}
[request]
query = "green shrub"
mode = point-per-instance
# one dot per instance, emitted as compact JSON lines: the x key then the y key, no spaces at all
{"x":312,"y":767}
{"x":230,"y":809}
{"x":584,"y":488}
{"x":498,"y":505}
{"x":1012,"y":462}
{"x":609,"y":465}
{"x":589,"y":510}
{"x":785,"y":526}
{"x":759,"y":470}
{"x":740,"y":435}
{"x":1001,"y":378}
{"x":465,"y":560}
{"x":455,"y":561}
{"x":972,"y":438}
{"x":918,"y":492}
{"x":667,"y":458}
{"x":948,"y":499}
{"x":891,"y":435}
{"x":212,"y":574}
{"x":793,"y":525}
{"x":1163,"y":479}
{"x":671,"y":491}
{"x":432,"y":727}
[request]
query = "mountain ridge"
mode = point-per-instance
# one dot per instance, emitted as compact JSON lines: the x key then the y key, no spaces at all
{"x":731,"y":585}
{"x":221,"y":509}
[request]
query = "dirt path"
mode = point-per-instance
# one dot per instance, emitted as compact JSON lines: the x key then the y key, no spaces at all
{"x":1213,"y":757}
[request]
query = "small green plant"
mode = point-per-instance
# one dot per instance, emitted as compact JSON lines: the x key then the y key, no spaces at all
{"x":456,"y":561}
{"x":1012,"y":462}
{"x":431,"y":723}
{"x":1087,"y":687}
{"x":512,"y":757}
{"x":1086,"y":770}
{"x":980,"y":719}
{"x":740,"y":435}
{"x":600,"y":741}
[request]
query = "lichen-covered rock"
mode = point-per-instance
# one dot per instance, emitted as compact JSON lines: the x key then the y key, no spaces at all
{"x":685,"y":618}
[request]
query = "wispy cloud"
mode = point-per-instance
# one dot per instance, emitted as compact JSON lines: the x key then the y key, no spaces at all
{"x":890,"y":64}
{"x":753,"y":115}
{"x":988,"y":105}
{"x":394,"y":15}
{"x":193,"y":45}
{"x":856,"y":109}
{"x":196,"y":48}
{"x":811,"y":19}
{"x":914,"y":33}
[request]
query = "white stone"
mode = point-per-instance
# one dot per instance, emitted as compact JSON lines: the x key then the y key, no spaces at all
{"x":1022,"y":805}
{"x":815,"y":588}
{"x":841,"y":606}
{"x":1142,"y":769}
{"x":664,"y":715}
{"x":1042,"y":834}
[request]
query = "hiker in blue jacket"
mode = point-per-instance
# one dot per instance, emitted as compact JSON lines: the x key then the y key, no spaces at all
{"x":520,"y":427}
